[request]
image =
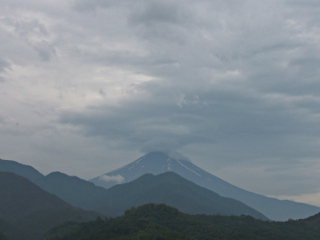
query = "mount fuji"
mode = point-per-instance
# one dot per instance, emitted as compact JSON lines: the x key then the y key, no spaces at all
{"x":160,"y":162}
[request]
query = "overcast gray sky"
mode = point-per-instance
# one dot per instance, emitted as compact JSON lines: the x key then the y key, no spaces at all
{"x":90,"y":85}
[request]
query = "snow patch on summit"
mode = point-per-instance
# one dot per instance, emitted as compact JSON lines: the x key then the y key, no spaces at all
{"x":169,"y":164}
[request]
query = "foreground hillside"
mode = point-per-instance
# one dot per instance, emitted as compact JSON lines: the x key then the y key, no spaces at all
{"x":27,"y":211}
{"x":2,"y":237}
{"x":162,"y":222}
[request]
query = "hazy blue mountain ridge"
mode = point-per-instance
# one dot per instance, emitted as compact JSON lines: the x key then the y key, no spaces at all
{"x":171,"y":189}
{"x":74,"y":190}
{"x":20,"y":169}
{"x":27,"y":211}
{"x":86,"y":195}
{"x":168,"y":188}
{"x":160,"y":162}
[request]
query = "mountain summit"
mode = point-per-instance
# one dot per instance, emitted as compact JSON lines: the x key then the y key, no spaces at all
{"x":160,"y":162}
{"x":154,"y":163}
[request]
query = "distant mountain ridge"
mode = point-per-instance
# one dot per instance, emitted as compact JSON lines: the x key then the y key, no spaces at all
{"x":20,"y":169}
{"x":27,"y":211}
{"x":81,"y":193}
{"x":160,"y":162}
{"x":171,"y":189}
{"x":74,"y":190}
{"x":168,"y":188}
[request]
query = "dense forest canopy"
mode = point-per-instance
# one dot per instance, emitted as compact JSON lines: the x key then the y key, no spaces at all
{"x":153,"y":221}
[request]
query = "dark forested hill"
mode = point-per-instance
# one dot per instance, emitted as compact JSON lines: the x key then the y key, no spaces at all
{"x":2,"y":237}
{"x":27,"y":210}
{"x":9,"y":230}
{"x":162,"y":222}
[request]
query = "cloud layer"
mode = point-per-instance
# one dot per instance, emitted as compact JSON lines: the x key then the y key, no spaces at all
{"x":232,"y":85}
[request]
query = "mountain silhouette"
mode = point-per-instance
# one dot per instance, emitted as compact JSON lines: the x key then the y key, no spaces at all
{"x":168,"y":188}
{"x":160,"y":162}
{"x":20,"y":169}
{"x":171,"y":189}
{"x":27,"y":211}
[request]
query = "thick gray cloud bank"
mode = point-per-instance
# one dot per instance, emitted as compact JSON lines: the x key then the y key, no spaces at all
{"x":88,"y":85}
